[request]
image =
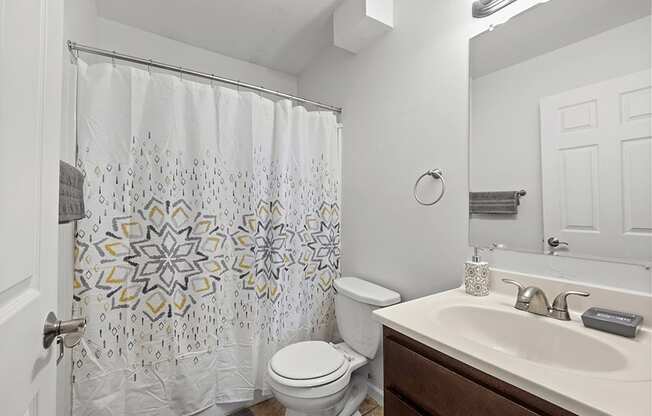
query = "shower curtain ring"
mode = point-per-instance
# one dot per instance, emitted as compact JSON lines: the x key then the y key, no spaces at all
{"x":149,"y":67}
{"x":180,"y":73}
{"x":113,"y":59}
{"x":74,"y":54}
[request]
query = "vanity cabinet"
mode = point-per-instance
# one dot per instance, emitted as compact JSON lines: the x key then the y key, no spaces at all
{"x":421,"y":381}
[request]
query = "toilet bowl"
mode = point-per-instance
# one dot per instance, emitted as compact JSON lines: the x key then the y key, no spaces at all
{"x":317,"y":378}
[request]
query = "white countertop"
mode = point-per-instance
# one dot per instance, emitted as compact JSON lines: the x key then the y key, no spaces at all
{"x":626,"y":392}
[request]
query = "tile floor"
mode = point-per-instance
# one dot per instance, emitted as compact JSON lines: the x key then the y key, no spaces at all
{"x":273,"y":408}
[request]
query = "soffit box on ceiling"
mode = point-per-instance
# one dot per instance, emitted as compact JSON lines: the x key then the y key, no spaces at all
{"x":358,"y":23}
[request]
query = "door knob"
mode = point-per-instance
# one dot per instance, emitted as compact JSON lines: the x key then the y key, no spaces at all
{"x":554,"y":242}
{"x":70,"y":331}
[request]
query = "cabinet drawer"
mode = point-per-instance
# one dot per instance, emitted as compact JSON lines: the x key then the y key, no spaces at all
{"x":435,"y":390}
{"x":395,"y":406}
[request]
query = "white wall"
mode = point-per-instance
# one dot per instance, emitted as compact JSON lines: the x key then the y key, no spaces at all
{"x":405,"y":111}
{"x":505,"y":145}
{"x":404,"y":102}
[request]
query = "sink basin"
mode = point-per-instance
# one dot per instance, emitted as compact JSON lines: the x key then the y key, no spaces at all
{"x":534,"y":338}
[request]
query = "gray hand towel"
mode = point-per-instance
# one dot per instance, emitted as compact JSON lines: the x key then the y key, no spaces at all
{"x":494,"y":202}
{"x":71,"y":193}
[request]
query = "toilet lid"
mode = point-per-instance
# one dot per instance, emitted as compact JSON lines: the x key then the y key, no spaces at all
{"x":307,"y":360}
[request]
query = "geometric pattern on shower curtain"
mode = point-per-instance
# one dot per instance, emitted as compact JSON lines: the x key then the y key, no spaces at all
{"x":202,"y":252}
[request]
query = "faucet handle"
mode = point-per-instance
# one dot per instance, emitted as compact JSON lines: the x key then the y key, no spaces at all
{"x":520,"y":287}
{"x":561,"y":304}
{"x":520,"y":302}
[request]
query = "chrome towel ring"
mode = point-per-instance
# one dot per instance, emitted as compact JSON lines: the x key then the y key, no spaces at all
{"x":436,"y":174}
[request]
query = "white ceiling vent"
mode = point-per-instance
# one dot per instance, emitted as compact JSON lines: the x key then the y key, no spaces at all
{"x":357,"y":23}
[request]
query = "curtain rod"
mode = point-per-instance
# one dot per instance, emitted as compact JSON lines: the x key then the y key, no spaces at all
{"x":73,"y":46}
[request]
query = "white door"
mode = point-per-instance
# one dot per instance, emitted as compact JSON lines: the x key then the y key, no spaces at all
{"x":31,"y":57}
{"x":597,"y":168}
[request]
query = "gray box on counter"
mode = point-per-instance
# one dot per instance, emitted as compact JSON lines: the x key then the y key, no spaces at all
{"x":619,"y":323}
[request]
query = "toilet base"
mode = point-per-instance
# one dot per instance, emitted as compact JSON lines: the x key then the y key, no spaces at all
{"x":357,"y":392}
{"x":355,"y":395}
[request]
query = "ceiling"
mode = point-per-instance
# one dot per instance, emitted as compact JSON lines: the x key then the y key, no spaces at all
{"x":548,"y":27}
{"x":280,"y":34}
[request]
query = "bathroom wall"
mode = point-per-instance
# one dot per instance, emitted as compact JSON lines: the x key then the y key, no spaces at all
{"x":405,"y":100}
{"x":405,"y":111}
{"x":515,"y":92}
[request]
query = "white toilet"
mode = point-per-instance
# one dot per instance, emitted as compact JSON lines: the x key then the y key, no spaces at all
{"x":317,"y":378}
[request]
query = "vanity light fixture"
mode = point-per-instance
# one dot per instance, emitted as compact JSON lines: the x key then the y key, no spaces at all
{"x":484,"y":8}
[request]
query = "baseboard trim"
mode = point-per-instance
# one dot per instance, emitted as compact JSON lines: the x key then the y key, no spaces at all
{"x":376,"y":393}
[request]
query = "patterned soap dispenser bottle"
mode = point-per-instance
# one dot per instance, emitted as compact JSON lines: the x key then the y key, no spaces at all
{"x":476,"y":275}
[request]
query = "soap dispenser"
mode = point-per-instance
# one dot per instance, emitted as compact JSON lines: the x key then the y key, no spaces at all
{"x":476,"y":275}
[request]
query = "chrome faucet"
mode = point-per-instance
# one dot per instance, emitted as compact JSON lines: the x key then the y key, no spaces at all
{"x":533,"y":299}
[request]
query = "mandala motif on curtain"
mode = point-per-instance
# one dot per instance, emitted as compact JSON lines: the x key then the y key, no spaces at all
{"x":164,"y":258}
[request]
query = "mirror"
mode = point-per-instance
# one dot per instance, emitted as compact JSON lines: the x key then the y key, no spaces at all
{"x":560,"y":141}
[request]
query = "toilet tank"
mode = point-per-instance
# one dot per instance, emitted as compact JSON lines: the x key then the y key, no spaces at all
{"x":354,"y":302}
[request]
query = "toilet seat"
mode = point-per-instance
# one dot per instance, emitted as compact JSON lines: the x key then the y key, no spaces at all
{"x":308,"y":364}
{"x":316,"y":387}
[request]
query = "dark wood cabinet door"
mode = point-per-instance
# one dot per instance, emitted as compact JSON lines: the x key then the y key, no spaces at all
{"x":422,"y":381}
{"x":395,"y":406}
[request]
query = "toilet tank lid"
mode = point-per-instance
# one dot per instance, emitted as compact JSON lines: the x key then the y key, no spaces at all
{"x":366,"y":292}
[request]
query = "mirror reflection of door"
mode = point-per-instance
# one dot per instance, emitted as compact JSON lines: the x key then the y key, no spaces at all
{"x":563,"y":112}
{"x":597,"y":168}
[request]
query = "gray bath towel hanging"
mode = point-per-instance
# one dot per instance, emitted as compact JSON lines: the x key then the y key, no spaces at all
{"x":504,"y":202}
{"x":71,"y":193}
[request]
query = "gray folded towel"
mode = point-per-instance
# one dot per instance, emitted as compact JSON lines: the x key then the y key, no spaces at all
{"x":71,"y":193}
{"x":494,"y":202}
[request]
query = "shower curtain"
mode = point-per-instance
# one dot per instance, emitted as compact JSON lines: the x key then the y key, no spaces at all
{"x":211,"y":240}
